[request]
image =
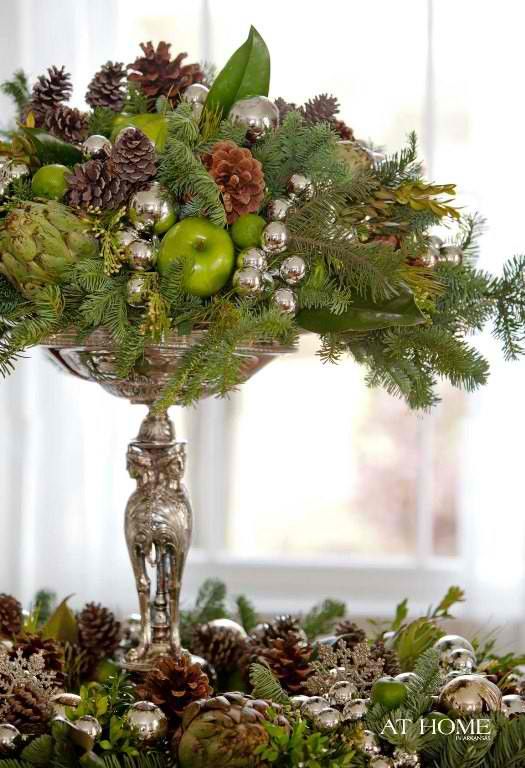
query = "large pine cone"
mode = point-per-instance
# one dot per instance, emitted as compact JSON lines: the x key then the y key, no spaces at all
{"x":343,"y":130}
{"x":98,"y":630}
{"x":67,"y":123}
{"x":27,"y":711}
{"x":106,"y":89}
{"x":10,"y":616}
{"x":52,"y":652}
{"x":321,"y":109}
{"x":133,"y":157}
{"x":289,"y":657}
{"x":239,"y":177}
{"x":280,"y":626}
{"x":225,"y":731}
{"x":221,"y":642}
{"x":48,"y":92}
{"x":175,"y":683}
{"x":156,"y":74}
{"x":350,"y":632}
{"x":92,"y":185}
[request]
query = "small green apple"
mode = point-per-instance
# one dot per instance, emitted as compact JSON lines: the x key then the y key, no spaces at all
{"x":389,"y":692}
{"x":208,"y":249}
{"x":50,"y":181}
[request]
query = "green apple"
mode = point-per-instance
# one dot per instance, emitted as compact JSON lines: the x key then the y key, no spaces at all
{"x":389,"y":692}
{"x":50,"y":181}
{"x":247,"y":230}
{"x":208,"y":251}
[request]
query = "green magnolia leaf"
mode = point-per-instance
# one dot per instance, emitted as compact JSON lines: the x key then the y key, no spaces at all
{"x":364,"y":315}
{"x":154,"y":125}
{"x":50,"y":149}
{"x":62,"y":624}
{"x":246,"y":73}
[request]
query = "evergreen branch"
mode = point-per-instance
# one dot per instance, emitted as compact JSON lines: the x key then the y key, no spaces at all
{"x":321,"y":618}
{"x":101,"y":121}
{"x":247,"y":613}
{"x":136,"y":101}
{"x":17,"y":89}
{"x":266,"y":686}
{"x":400,"y":166}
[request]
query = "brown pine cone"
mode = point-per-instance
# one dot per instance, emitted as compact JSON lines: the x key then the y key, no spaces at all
{"x":320,"y":109}
{"x":106,"y":89}
{"x":156,"y":74}
{"x":344,"y":130}
{"x":133,"y":157}
{"x":392,"y":666}
{"x":66,"y":123}
{"x":280,"y":626}
{"x":10,"y":616}
{"x":221,"y":642}
{"x":98,"y":630}
{"x":93,"y":186}
{"x":175,"y":683}
{"x":27,"y":711}
{"x":48,"y":92}
{"x":239,"y":176}
{"x":350,"y":632}
{"x":289,"y":657}
{"x":52,"y":652}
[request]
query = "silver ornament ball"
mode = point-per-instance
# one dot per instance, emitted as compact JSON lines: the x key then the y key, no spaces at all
{"x":430,"y":257}
{"x":252,"y":257}
{"x":381,"y":762}
{"x":89,"y":725}
{"x":407,"y":677}
{"x":513,"y":706}
{"x":328,"y":720}
{"x":196,"y":95}
{"x":61,"y":701}
{"x":127,"y":236}
{"x":449,"y":643}
{"x":298,"y":701}
{"x":232,"y":626}
{"x":257,"y":114}
{"x":313,"y":706}
{"x":96,"y":147}
{"x":404,"y":759}
{"x":355,"y":710}
{"x":141,"y":255}
{"x":277,"y":210}
{"x":370,"y":743}
{"x":470,"y":695}
{"x":16,"y":170}
{"x":293,"y":270}
{"x":274,"y":238}
{"x":300,"y":186}
{"x":452,"y":254}
{"x":285,"y":301}
{"x":147,"y":722}
{"x":460,"y":660}
{"x":148,"y":209}
{"x":341,"y":692}
{"x":137,"y":290}
{"x":9,"y":736}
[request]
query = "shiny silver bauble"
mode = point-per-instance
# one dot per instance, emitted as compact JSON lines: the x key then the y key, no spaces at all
{"x":231,"y":626}
{"x":277,"y":210}
{"x":355,"y":710}
{"x":293,"y":270}
{"x":141,"y":255}
{"x":127,"y":236}
{"x":404,"y":759}
{"x":274,"y":238}
{"x":449,"y":643}
{"x":62,"y":701}
{"x":298,"y":701}
{"x":300,"y":186}
{"x":257,"y":114}
{"x":252,"y":257}
{"x":407,"y":677}
{"x":513,"y":706}
{"x":285,"y":301}
{"x":137,"y":290}
{"x":328,"y":720}
{"x":196,"y":95}
{"x":150,"y":210}
{"x":370,"y":743}
{"x":460,"y":660}
{"x":452,"y":254}
{"x":313,"y":706}
{"x":430,"y":257}
{"x":147,"y":722}
{"x":341,"y":692}
{"x":89,"y":725}
{"x":96,"y":147}
{"x":9,"y":737}
{"x":381,"y":762}
{"x":16,"y":170}
{"x":470,"y":695}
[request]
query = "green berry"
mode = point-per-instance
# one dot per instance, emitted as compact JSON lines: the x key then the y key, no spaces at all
{"x":246,"y":231}
{"x":50,"y":181}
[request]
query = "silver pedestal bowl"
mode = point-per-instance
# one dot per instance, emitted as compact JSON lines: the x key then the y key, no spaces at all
{"x":158,"y":519}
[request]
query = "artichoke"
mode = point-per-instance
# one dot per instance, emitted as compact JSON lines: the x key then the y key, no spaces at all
{"x":38,"y":241}
{"x":224,"y":732}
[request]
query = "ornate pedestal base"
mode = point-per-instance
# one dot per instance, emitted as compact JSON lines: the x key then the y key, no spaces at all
{"x":158,"y":515}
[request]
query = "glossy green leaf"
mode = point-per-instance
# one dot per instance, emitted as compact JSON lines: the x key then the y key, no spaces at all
{"x":246,"y":73}
{"x":364,"y":315}
{"x":49,"y":149}
{"x":154,"y":125}
{"x":62,"y":624}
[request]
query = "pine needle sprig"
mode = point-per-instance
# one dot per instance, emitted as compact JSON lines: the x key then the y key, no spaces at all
{"x":101,"y":121}
{"x":401,"y":166}
{"x":136,"y":101}
{"x":17,"y":88}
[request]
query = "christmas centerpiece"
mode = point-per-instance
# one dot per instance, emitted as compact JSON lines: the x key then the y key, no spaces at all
{"x":304,"y":691}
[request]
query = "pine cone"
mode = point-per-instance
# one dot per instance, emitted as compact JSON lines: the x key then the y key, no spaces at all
{"x":10,"y":616}
{"x":106,"y":89}
{"x":344,"y":130}
{"x":93,"y":186}
{"x":280,"y":627}
{"x":27,"y":711}
{"x":156,"y":74}
{"x":49,"y":92}
{"x":284,"y":108}
{"x":288,"y":657}
{"x":174,"y":684}
{"x":321,"y":109}
{"x":52,"y":653}
{"x":66,"y":123}
{"x":392,"y":666}
{"x":133,"y":157}
{"x":350,"y":632}
{"x":221,"y":642}
{"x":98,"y":630}
{"x":239,"y":177}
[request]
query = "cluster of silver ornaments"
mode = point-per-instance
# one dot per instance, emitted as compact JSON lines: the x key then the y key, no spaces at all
{"x":438,"y":251}
{"x":257,"y":114}
{"x":11,"y":170}
{"x":147,"y":722}
{"x":404,"y":759}
{"x":196,"y":95}
{"x":456,"y":655}
{"x":96,"y":147}
{"x":252,"y":280}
